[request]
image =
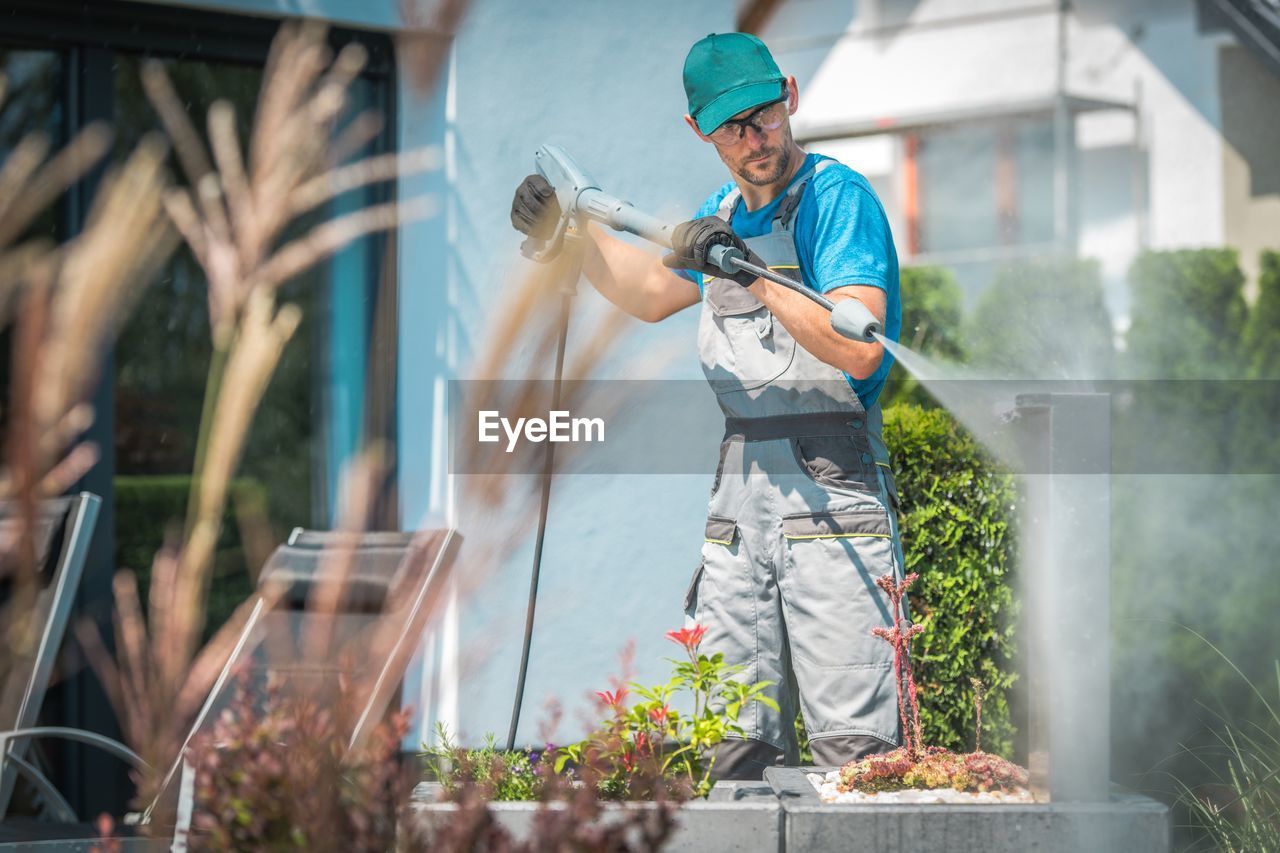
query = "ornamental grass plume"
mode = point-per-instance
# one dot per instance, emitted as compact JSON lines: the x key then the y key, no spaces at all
{"x":64,"y":305}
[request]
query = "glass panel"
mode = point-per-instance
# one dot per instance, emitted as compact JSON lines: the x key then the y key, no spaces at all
{"x":957,"y":171}
{"x":31,"y":103}
{"x":309,"y":421}
{"x":1033,"y":144}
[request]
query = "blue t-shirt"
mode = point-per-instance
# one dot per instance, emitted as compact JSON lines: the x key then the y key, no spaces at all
{"x":842,"y":237}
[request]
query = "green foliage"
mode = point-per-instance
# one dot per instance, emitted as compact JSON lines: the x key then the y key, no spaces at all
{"x":151,"y":508}
{"x":502,"y":775}
{"x":1238,"y":804}
{"x":932,"y":305}
{"x":957,"y":510}
{"x":1262,"y":331}
{"x":651,"y":737}
{"x":1046,"y":319}
{"x":1188,"y":315}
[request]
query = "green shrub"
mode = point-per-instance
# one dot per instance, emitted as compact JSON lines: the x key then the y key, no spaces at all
{"x":1262,"y":331}
{"x":957,"y":533}
{"x":520,"y":775}
{"x":1045,"y":319}
{"x":149,"y":507}
{"x":1188,"y":315}
{"x":932,"y":305}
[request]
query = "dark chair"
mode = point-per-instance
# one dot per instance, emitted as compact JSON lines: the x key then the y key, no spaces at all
{"x":61,"y":535}
{"x":391,"y":577}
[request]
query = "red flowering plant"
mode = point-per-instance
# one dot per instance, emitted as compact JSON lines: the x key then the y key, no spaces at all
{"x":649,"y":738}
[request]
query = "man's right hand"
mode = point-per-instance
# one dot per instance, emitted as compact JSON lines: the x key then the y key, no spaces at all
{"x":534,"y":210}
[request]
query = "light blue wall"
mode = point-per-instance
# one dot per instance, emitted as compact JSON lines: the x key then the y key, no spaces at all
{"x":603,"y":80}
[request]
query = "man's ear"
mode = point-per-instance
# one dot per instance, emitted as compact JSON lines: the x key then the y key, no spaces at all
{"x":793,"y":96}
{"x":688,"y":119}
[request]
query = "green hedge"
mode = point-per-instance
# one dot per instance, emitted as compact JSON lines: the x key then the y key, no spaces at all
{"x":932,"y":308}
{"x":1045,"y":319}
{"x":150,"y":507}
{"x":1189,"y":315}
{"x":1262,"y":331}
{"x":957,"y":533}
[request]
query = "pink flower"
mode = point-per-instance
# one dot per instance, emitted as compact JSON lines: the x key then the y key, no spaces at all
{"x":688,"y":637}
{"x":660,"y":715}
{"x":611,"y":698}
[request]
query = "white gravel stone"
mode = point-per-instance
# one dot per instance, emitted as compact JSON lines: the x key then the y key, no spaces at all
{"x":827,"y":791}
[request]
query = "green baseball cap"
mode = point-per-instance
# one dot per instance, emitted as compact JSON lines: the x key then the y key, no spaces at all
{"x":726,"y":73}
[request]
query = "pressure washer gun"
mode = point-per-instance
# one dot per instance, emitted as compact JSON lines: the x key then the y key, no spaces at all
{"x":581,"y":199}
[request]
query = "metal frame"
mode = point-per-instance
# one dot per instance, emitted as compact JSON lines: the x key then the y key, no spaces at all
{"x":66,"y":570}
{"x":33,"y":774}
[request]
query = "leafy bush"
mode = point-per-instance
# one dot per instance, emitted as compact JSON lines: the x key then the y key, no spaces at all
{"x":274,"y":772}
{"x":957,"y":510}
{"x":651,"y":740}
{"x":503,"y":775}
{"x":1189,"y":315}
{"x":932,"y":305}
{"x":1262,"y":331}
{"x":1046,"y":319}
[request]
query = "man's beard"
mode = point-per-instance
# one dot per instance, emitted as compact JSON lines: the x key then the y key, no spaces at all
{"x":777,"y":164}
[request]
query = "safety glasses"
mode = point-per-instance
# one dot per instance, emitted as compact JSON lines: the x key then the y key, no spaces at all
{"x":763,"y":119}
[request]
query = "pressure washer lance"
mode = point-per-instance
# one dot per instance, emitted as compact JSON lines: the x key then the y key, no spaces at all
{"x":581,"y":197}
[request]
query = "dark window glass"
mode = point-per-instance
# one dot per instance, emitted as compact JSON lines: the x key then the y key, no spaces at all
{"x":31,"y":104}
{"x":310,"y":420}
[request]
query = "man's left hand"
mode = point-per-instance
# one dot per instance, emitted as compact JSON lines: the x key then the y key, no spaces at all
{"x":691,"y":242}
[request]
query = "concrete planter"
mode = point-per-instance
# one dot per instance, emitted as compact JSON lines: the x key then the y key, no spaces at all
{"x":1127,"y":822}
{"x":736,"y":816}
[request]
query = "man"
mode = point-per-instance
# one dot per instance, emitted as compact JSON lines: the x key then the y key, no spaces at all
{"x":802,"y":513}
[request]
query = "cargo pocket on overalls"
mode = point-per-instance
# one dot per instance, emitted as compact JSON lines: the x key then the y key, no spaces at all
{"x":760,"y":350}
{"x":832,"y":560}
{"x":837,"y":524}
{"x":838,"y":461}
{"x":720,"y":531}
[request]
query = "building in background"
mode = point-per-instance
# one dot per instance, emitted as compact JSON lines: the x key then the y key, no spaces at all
{"x":1003,"y":130}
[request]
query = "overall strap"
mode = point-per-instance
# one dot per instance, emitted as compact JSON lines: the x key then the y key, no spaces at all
{"x":725,"y":211}
{"x":791,"y":202}
{"x":787,"y":209}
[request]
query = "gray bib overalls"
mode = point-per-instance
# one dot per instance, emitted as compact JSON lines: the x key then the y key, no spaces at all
{"x":800,"y":524}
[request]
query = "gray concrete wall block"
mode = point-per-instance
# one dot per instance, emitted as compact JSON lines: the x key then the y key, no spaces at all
{"x":736,"y":817}
{"x":1127,"y":823}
